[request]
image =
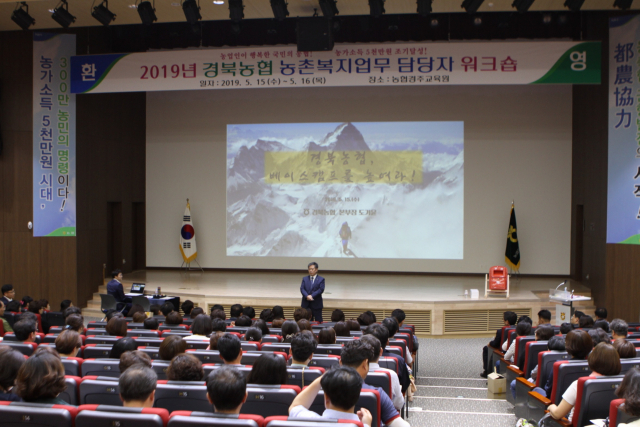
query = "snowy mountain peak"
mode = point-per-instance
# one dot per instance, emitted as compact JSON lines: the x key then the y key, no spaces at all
{"x":346,"y":137}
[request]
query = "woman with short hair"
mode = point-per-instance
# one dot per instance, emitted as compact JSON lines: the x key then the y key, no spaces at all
{"x":172,"y":346}
{"x":268,"y":369}
{"x":41,"y":378}
{"x":68,"y":343}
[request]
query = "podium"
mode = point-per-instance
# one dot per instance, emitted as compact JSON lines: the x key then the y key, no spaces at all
{"x":564,"y":304}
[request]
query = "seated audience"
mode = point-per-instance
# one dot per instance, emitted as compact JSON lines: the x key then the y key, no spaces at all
{"x":289,"y":329}
{"x":135,"y":308}
{"x":523,"y":329}
{"x":598,"y":336}
{"x":131,"y":358}
{"x":625,"y":349}
{"x":173,"y":319}
{"x":185,"y":367}
{"x":121,"y":346}
{"x":542,"y":333}
{"x":403,"y":370}
{"x":218,"y":314}
{"x":354,"y":325}
{"x":327,"y":336}
{"x":253,"y":334}
{"x":138,"y":387}
{"x":299,"y":313}
{"x":201,"y":328}
{"x":167,"y":308}
{"x":267,"y":315}
{"x":555,"y":344}
{"x":373,"y":316}
{"x":139,"y":317}
{"x":262,"y":325}
{"x":243,"y":321}
{"x":187,"y":306}
{"x":575,"y":319}
{"x":365,"y":319}
{"x":396,"y":390}
{"x":44,"y":303}
{"x":400,"y":316}
{"x":304,"y":325}
{"x":5,"y":325}
{"x":235,"y":311}
{"x":629,"y":390}
{"x":65,"y":304}
{"x":392,"y":325}
{"x":230,"y":349}
{"x":303,"y":345}
{"x":226,"y":390}
{"x":342,"y":329}
{"x":603,"y":361}
{"x":278,"y":312}
{"x":196,"y":312}
{"x":586,"y":321}
{"x":117,"y":327}
{"x":155,"y":310}
{"x":25,"y":301}
{"x":25,"y":330}
{"x":341,"y":387}
{"x":8,"y":294}
{"x":544,"y":317}
{"x":41,"y":378}
{"x":565,"y":328}
{"x":10,"y":363}
{"x":75,"y":322}
{"x":35,"y":307}
{"x":602,"y":324}
{"x":172,"y":346}
{"x":268,"y":369}
{"x":337,"y":315}
{"x":601,"y":314}
{"x":73,"y":310}
{"x":151,"y":324}
{"x":277,"y":323}
{"x":217,"y":307}
{"x":213,"y":341}
{"x":509,"y":319}
{"x":68,"y":343}
{"x":250,"y":312}
{"x":14,"y":307}
{"x":619,"y":329}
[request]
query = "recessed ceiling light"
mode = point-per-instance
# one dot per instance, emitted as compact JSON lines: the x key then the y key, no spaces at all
{"x":133,"y":6}
{"x":218,"y":1}
{"x":174,"y":4}
{"x":51,"y":10}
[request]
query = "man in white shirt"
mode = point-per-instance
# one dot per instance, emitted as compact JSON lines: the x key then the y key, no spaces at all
{"x":341,"y":387}
{"x":396,"y":390}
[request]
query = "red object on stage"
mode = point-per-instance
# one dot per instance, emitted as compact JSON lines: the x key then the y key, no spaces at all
{"x":498,"y":278}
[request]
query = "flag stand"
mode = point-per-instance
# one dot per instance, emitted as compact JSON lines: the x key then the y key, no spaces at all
{"x":187,"y":266}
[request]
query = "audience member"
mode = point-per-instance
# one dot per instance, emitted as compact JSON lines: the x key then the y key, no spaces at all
{"x":354,"y":325}
{"x":8,"y":293}
{"x":565,"y":328}
{"x":304,"y":325}
{"x":382,"y":334}
{"x":327,"y":336}
{"x":601,"y":314}
{"x":522,"y":330}
{"x":575,"y":319}
{"x":121,"y":346}
{"x":213,"y":341}
{"x":341,"y":387}
{"x":278,"y":312}
{"x":226,"y":390}
{"x":25,"y":301}
{"x":138,"y":387}
{"x":65,"y":304}
{"x":151,"y":323}
{"x":619,"y":329}
{"x":68,"y":343}
{"x":365,"y":319}
{"x":25,"y":330}
{"x":41,"y":378}
{"x":509,"y":319}
{"x":10,"y":363}
{"x":337,"y":315}
{"x":5,"y":325}
{"x":266,"y":315}
{"x":135,"y":308}
{"x":217,"y":307}
{"x":185,"y":367}
{"x":113,"y":313}
{"x":268,"y":369}
{"x":578,"y":344}
{"x":75,"y":322}
{"x":235,"y":311}
{"x":303,"y":345}
{"x":73,"y":310}
{"x":139,"y":317}
{"x":218,"y":325}
{"x":277,"y":323}
{"x":117,"y":326}
{"x":250,"y":312}
{"x":299,"y":313}
{"x":218,"y":314}
{"x":132,"y":358}
{"x":262,"y":325}
{"x":602,"y":324}
{"x":555,"y":344}
{"x":171,"y":346}
{"x":253,"y":334}
{"x":342,"y":329}
{"x":13,"y":307}
{"x":289,"y":329}
{"x":629,"y":390}
{"x":173,"y":319}
{"x":543,"y":333}
{"x":586,"y":321}
{"x":625,"y":349}
{"x":392,"y":325}
{"x":373,"y":316}
{"x":396,"y":390}
{"x":155,"y":310}
{"x":544,"y":317}
{"x":167,"y":308}
{"x":44,"y":303}
{"x":598,"y":336}
{"x":196,"y":312}
{"x":201,"y":328}
{"x":400,"y":316}
{"x":35,"y":307}
{"x":230,"y":349}
{"x":187,"y":306}
{"x":243,"y":321}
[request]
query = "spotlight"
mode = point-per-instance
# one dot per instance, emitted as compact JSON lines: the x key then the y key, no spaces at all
{"x":279,"y":8}
{"x":546,"y":19}
{"x":21,"y":16}
{"x":574,"y":5}
{"x":471,"y":6}
{"x":622,"y":4}
{"x":147,"y":13}
{"x":376,"y":8}
{"x":191,"y":11}
{"x":424,"y":7}
{"x":329,"y":8}
{"x":102,"y":13}
{"x":236,"y":10}
{"x":62,"y":16}
{"x":522,"y":5}
{"x":435,"y":22}
{"x":477,"y":21}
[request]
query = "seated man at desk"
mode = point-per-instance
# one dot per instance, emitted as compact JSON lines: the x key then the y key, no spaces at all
{"x":114,"y":287}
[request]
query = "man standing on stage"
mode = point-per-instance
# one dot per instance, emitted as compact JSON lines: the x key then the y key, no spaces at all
{"x":311,"y":289}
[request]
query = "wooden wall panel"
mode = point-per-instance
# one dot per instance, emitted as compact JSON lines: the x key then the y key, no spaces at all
{"x":623,"y":282}
{"x":22,"y":263}
{"x":58,"y":273}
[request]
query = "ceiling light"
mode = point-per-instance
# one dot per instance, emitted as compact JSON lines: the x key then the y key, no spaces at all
{"x":522,"y":5}
{"x":21,"y":16}
{"x":546,"y":19}
{"x":622,"y":4}
{"x":133,"y":6}
{"x":102,"y":13}
{"x":376,"y":8}
{"x":236,"y":10}
{"x":329,"y":8}
{"x":574,"y":5}
{"x":280,"y":10}
{"x":218,"y":2}
{"x":471,"y":6}
{"x":435,"y":22}
{"x":424,"y":7}
{"x":191,"y":11}
{"x":147,"y":13}
{"x":477,"y":21}
{"x":62,"y":16}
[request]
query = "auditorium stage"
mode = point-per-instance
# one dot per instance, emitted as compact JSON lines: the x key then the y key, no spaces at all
{"x":427,"y":298}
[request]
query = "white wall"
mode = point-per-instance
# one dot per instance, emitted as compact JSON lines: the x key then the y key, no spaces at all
{"x":517,"y":147}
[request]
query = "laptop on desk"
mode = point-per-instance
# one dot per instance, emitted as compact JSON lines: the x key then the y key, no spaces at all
{"x":137,"y":289}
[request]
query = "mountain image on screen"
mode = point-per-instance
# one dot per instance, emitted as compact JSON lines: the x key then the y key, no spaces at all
{"x":412,"y":220}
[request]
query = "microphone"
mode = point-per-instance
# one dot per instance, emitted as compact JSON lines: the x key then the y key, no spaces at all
{"x":561,"y":284}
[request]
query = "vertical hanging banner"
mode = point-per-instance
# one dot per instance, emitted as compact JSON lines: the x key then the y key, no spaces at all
{"x":54,"y":136}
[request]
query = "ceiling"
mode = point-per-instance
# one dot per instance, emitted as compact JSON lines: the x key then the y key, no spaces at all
{"x":170,"y":10}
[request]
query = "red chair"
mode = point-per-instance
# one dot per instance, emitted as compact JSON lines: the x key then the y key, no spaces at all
{"x":37,"y":415}
{"x":282,"y":421}
{"x":108,"y":416}
{"x":497,"y":281}
{"x":195,"y":418}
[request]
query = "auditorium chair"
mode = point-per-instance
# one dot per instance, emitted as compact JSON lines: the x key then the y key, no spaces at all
{"x":282,"y":421}
{"x":387,"y":363}
{"x":36,"y":415}
{"x":71,"y":393}
{"x":25,"y":348}
{"x":142,"y":333}
{"x":101,"y":367}
{"x":303,"y":377}
{"x":325,"y":361}
{"x":101,"y":339}
{"x":273,"y":331}
{"x":207,"y":356}
{"x":344,"y":340}
{"x":617,"y":415}
{"x":100,"y":392}
{"x":238,"y":329}
{"x":54,"y":318}
{"x":132,"y":325}
{"x":182,"y":396}
{"x":281,"y":347}
{"x":250,"y":346}
{"x":268,"y":400}
{"x":10,"y":336}
{"x":355,"y":333}
{"x":152,"y":352}
{"x":95,"y":351}
{"x":334,"y":349}
{"x":172,"y":328}
{"x":10,"y":317}
{"x":271,"y":339}
{"x":149,"y":341}
{"x":50,"y":338}
{"x":94,"y":331}
{"x":160,"y":368}
{"x":401,"y":344}
{"x":197,"y":345}
{"x":97,"y":324}
{"x":532,"y":349}
{"x":169,"y":332}
{"x":209,"y":367}
{"x":72,"y":365}
{"x":111,"y":416}
{"x":193,"y":419}
{"x":380,"y":378}
{"x":393,"y":349}
{"x":369,"y":399}
{"x":249,"y":358}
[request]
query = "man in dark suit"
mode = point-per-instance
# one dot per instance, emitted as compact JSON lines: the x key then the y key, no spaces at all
{"x":509,"y":319}
{"x":114,"y":287}
{"x":311,"y":289}
{"x":8,"y":294}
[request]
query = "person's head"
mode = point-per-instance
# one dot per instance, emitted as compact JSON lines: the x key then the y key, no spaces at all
{"x":218,"y":325}
{"x":135,"y":308}
{"x":543,"y":333}
{"x":41,"y":376}
{"x":604,"y":360}
{"x":303,"y":345}
{"x":510,"y":318}
{"x":544,"y":317}
{"x":167,"y":308}
{"x":629,"y":390}
{"x":202,"y":325}
{"x":187,"y":306}
{"x":299,"y":313}
{"x":151,"y":323}
{"x":266,"y":315}
{"x":196,"y":312}
{"x":11,"y":361}
{"x":268,"y":369}
{"x":171,"y":346}
{"x":353,"y":325}
{"x":380,"y":332}
{"x":226,"y":389}
{"x":138,"y":386}
{"x":116,"y":274}
{"x":65,"y":304}
{"x":625,"y":349}
{"x":35,"y":307}
{"x":565,"y":328}
{"x":121,"y":346}
{"x":586,"y":321}
{"x":277,"y":323}
{"x":243,"y":321}
{"x":312,"y":268}
{"x":44,"y":303}
{"x":68,"y":343}
{"x":185,"y":367}
{"x":578,"y":344}
{"x":139,"y":317}
{"x":253,"y":334}
{"x":341,"y":329}
{"x":375,"y":345}
{"x":399,"y":315}
{"x":289,"y":329}
{"x":365,"y":319}
{"x":113,"y":313}
{"x":25,"y":301}
{"x":155,"y":310}
{"x":278,"y":312}
{"x":525,"y":319}
{"x":602,"y":324}
{"x":230,"y":348}
{"x":13,"y":306}
{"x":173,"y":318}
{"x":556,"y":343}
{"x":342,"y":386}
{"x":337,"y":315}
{"x":27,"y":315}
{"x":392,"y":326}
{"x":248,"y":311}
{"x":357,"y":354}
{"x":262,"y":325}
{"x":327,"y":336}
{"x":25,"y":330}
{"x":217,"y":307}
{"x":304,"y":325}
{"x":598,"y":336}
{"x":213,"y":341}
{"x":75,"y":322}
{"x":523,"y":329}
{"x":619,"y":328}
{"x":8,"y":291}
{"x":218,"y":314}
{"x":236,"y":310}
{"x":575,"y":319}
{"x":117,"y":326}
{"x":131,"y":358}
{"x":601,"y":313}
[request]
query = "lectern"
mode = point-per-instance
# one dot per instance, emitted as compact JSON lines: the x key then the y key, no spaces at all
{"x":564,"y":303}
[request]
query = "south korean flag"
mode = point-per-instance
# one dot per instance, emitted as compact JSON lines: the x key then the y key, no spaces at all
{"x":188,"y":237}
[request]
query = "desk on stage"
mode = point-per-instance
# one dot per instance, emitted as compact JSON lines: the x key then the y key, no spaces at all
{"x":159,"y":301}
